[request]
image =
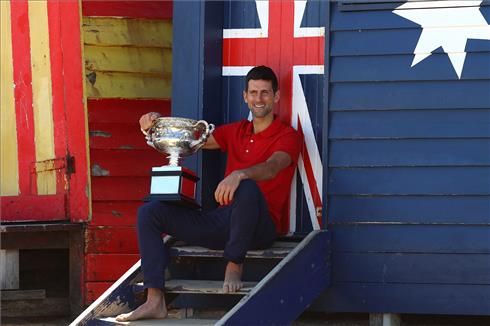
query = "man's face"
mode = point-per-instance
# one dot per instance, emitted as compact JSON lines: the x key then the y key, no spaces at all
{"x":260,"y":97}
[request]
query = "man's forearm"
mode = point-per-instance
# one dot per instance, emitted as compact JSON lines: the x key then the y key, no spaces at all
{"x":259,"y":172}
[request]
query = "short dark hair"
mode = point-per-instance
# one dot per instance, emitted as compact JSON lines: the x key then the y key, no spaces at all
{"x":262,"y":73}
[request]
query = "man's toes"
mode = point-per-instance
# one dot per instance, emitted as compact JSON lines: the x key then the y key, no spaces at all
{"x":122,"y":317}
{"x":226,"y":288}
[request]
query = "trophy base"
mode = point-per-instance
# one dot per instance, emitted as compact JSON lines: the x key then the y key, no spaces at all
{"x":174,"y":199}
{"x":174,"y":184}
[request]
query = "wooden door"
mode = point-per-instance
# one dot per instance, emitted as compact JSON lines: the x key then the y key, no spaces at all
{"x":44,"y":174}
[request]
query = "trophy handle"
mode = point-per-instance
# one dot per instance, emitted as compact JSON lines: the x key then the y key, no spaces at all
{"x":209,"y":130}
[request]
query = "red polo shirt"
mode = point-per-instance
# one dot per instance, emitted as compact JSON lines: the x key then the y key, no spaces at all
{"x":246,"y":149}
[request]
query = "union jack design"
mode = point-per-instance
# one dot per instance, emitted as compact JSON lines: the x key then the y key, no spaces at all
{"x":291,"y":50}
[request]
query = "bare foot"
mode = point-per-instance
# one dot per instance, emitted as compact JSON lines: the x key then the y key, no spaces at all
{"x":153,"y":308}
{"x":233,"y":277}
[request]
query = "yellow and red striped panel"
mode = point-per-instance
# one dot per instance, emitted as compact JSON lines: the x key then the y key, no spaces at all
{"x":42,"y":113}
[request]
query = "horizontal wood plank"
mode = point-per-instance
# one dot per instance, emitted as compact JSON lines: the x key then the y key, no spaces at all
{"x":128,"y":111}
{"x":203,"y":287}
{"x":127,"y":85}
{"x":410,"y":181}
{"x":117,"y":136}
{"x":403,"y":238}
{"x":12,"y":295}
{"x":111,"y":31}
{"x":464,"y":123}
{"x":409,"y":209}
{"x":111,"y":239}
{"x":32,"y":208}
{"x":373,"y":19}
{"x":277,"y":250}
{"x":107,"y":267}
{"x":418,"y":298}
{"x":47,"y":307}
{"x":457,"y":94}
{"x":125,"y":162}
{"x":156,"y":61}
{"x":413,"y":152}
{"x":120,"y":188}
{"x":115,"y":213}
{"x":128,"y":8}
{"x":360,"y":42}
{"x":390,"y":68}
{"x":411,"y":268}
{"x":93,"y":290}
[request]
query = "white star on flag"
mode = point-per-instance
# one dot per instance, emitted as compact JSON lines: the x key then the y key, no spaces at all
{"x":446,"y":24}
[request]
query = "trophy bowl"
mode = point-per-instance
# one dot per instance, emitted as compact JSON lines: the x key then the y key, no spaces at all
{"x":178,"y":137}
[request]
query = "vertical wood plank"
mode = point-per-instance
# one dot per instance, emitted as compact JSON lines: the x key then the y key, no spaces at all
{"x":42,"y":93}
{"x":23,"y":93}
{"x":79,"y":204}
{"x":9,"y":173}
{"x":58,"y":83}
{"x":9,"y":269}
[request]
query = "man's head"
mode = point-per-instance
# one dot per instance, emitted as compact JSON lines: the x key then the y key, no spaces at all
{"x":261,"y":91}
{"x":262,"y":73}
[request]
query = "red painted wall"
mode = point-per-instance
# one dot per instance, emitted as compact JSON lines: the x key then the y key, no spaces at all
{"x":120,"y":162}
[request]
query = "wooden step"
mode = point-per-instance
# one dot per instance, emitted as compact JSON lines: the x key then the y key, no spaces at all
{"x":278,"y":250}
{"x":178,"y":286}
{"x":168,"y":321}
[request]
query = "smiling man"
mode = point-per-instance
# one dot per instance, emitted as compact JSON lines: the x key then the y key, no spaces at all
{"x":253,"y":196}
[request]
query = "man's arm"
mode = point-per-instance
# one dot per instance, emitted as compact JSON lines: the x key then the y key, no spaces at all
{"x":211,"y":143}
{"x":262,"y":171}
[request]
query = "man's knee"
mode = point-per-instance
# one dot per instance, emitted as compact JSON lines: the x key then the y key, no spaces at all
{"x":150,"y":211}
{"x":247,"y":188}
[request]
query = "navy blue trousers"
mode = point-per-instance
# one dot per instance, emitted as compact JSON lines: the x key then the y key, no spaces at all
{"x":243,"y":225}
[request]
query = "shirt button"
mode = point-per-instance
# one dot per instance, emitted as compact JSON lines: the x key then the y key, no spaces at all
{"x":246,"y":151}
{"x":251,"y":140}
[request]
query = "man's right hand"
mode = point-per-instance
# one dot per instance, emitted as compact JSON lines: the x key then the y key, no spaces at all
{"x":146,"y":120}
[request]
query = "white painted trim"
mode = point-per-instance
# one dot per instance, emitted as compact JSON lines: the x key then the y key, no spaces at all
{"x":299,"y":10}
{"x":236,"y":70}
{"x":299,"y":102}
{"x":292,"y":203}
{"x":440,"y":4}
{"x":309,"y":70}
{"x":262,"y":32}
{"x":308,"y":196}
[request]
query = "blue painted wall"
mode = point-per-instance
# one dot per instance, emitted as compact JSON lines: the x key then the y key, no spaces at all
{"x":408,"y":171}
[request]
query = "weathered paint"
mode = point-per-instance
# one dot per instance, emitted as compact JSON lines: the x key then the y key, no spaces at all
{"x":50,"y":120}
{"x":128,"y":65}
{"x":127,"y":58}
{"x":9,"y":173}
{"x":127,"y":32}
{"x":147,"y":60}
{"x":23,"y":94}
{"x":133,"y":9}
{"x":42,"y":94}
{"x":120,"y":85}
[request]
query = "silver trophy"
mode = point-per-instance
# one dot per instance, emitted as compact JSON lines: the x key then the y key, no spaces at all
{"x":177,"y":138}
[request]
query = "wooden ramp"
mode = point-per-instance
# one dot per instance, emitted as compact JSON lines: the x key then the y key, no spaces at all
{"x":279,"y":284}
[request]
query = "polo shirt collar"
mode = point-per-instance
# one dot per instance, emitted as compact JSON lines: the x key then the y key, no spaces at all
{"x":274,"y":127}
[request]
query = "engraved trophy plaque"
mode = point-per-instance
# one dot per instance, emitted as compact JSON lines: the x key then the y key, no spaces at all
{"x":177,"y":138}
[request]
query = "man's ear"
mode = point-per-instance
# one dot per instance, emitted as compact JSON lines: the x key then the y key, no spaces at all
{"x":277,"y":96}
{"x":245,"y":97}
